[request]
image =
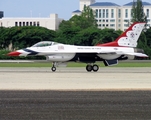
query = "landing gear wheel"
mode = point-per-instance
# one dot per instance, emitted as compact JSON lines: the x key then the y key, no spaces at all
{"x":95,"y":68}
{"x":53,"y":69}
{"x":89,"y":68}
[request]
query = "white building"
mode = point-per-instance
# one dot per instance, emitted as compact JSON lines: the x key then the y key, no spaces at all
{"x":111,"y":15}
{"x":85,"y":2}
{"x":108,"y":15}
{"x":51,"y":23}
{"x":126,"y":13}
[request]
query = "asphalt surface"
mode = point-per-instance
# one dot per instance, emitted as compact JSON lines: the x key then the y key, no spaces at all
{"x":75,"y":105}
{"x":74,"y":94}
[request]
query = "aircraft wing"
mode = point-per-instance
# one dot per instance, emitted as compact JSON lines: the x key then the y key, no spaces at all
{"x":122,"y":53}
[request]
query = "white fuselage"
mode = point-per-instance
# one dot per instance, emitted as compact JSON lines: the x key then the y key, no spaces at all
{"x":61,"y":52}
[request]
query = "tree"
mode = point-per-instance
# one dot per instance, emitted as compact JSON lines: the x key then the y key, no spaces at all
{"x":71,"y":31}
{"x":20,"y":37}
{"x":137,"y":13}
{"x":89,"y":16}
{"x":109,"y":35}
{"x":88,"y":37}
{"x":67,"y":35}
{"x":85,"y":20}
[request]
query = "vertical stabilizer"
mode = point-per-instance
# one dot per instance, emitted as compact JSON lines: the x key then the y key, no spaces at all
{"x":129,"y":38}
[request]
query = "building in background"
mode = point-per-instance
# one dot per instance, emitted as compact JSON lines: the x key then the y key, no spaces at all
{"x":51,"y":23}
{"x":111,"y":15}
{"x":126,"y":11}
{"x":107,"y":14}
{"x":85,"y":2}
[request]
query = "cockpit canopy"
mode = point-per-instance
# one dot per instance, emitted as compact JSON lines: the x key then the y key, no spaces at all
{"x":44,"y":44}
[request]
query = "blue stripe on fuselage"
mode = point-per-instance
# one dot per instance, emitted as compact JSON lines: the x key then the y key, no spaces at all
{"x":31,"y":52}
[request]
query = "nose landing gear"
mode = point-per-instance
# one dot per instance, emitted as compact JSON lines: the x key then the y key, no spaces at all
{"x":94,"y":67}
{"x":53,"y":67}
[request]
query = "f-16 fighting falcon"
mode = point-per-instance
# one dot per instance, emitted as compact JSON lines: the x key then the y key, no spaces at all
{"x":123,"y":48}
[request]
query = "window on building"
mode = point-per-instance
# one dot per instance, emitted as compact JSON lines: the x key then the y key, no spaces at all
{"x":126,"y":21}
{"x":148,"y":20}
{"x":20,"y":24}
{"x":148,"y":25}
{"x":34,"y":23}
{"x":103,"y":13}
{"x":112,"y":20}
{"x":107,"y":25}
{"x":107,"y":20}
{"x":147,"y":12}
{"x":126,"y":13}
{"x":96,"y":13}
{"x":38,"y":24}
{"x":100,"y":20}
{"x":100,"y":13}
{"x":112,"y":13}
{"x":16,"y":23}
{"x":112,"y":25}
{"x":100,"y":25}
{"x":30,"y":23}
{"x":27,"y":24}
{"x":107,"y":13}
{"x":125,"y":25}
{"x":103,"y":20}
{"x":23,"y":23}
{"x":119,"y":13}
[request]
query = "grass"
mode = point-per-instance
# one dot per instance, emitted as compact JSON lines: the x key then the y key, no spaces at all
{"x":73,"y":64}
{"x":25,"y":64}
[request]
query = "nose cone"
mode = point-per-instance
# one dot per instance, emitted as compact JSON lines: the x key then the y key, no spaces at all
{"x":15,"y":53}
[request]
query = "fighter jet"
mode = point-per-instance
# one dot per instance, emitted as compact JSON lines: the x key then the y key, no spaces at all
{"x":123,"y":48}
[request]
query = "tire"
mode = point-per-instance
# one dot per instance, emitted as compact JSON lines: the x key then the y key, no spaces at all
{"x":53,"y":69}
{"x":89,"y":68}
{"x":95,"y":68}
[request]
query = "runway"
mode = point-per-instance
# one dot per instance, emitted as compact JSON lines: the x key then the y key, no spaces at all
{"x":73,"y":93}
{"x":75,"y":79}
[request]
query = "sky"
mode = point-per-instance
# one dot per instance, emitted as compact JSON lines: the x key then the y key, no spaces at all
{"x":43,"y":8}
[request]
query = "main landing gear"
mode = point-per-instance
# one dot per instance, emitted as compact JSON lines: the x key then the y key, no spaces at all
{"x":94,"y":67}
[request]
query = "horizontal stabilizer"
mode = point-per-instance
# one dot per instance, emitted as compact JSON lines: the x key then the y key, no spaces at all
{"x":137,"y":54}
{"x":110,"y":62}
